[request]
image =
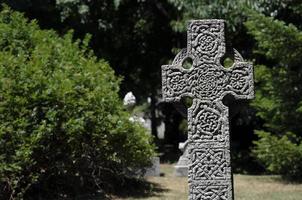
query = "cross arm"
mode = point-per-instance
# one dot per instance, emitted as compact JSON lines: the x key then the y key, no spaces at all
{"x":241,"y":80}
{"x":175,"y":83}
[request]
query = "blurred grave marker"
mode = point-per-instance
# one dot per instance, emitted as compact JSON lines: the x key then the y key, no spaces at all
{"x":129,"y":102}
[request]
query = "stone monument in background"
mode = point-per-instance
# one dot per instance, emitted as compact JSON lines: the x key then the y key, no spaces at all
{"x":129,"y":102}
{"x":207,"y":82}
{"x":181,"y":167}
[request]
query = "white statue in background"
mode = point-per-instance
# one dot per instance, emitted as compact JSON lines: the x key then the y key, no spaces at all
{"x":129,"y":100}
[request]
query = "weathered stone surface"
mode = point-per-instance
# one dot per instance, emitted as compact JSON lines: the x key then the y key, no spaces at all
{"x":208,"y":82}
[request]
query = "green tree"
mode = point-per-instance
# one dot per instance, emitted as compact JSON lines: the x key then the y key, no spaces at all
{"x":134,"y":36}
{"x":63,"y":129}
{"x":280,"y":155}
{"x":279,"y":96}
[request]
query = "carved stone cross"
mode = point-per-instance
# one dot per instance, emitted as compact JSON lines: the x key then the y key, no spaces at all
{"x":208,"y":82}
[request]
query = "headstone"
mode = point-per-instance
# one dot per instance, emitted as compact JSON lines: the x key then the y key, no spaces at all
{"x":181,"y":168}
{"x":161,"y":130}
{"x":154,"y":170}
{"x":207,"y":82}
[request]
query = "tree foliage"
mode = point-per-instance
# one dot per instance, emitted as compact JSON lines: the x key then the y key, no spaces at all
{"x":134,"y":36}
{"x":278,"y":98}
{"x":280,"y":155}
{"x":63,"y":129}
{"x":279,"y":95}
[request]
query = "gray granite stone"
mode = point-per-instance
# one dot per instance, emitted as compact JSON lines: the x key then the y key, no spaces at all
{"x":207,"y":82}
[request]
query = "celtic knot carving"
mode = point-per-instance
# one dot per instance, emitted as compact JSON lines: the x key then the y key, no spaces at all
{"x":241,"y":80}
{"x":205,"y":40}
{"x":209,"y":192}
{"x":210,"y":82}
{"x":237,"y":80}
{"x":177,"y":82}
{"x":207,"y":82}
{"x":209,"y":120}
{"x":208,"y":163}
{"x":205,"y":124}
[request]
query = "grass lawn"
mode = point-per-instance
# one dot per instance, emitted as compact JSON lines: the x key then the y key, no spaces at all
{"x":246,"y":188}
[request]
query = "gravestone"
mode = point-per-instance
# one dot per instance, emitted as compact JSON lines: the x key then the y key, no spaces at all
{"x":207,"y":82}
{"x":181,"y":167}
{"x":153,"y":170}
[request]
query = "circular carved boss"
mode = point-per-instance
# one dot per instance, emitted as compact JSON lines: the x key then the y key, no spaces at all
{"x":208,"y":82}
{"x":205,"y":43}
{"x":207,"y":120}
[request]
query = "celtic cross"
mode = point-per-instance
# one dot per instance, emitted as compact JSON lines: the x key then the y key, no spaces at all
{"x":208,"y":82}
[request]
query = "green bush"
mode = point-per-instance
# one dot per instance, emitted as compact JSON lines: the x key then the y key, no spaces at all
{"x":63,"y":129}
{"x":280,"y":155}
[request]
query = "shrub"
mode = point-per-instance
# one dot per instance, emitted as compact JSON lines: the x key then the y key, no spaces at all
{"x":63,"y":129}
{"x":280,"y":155}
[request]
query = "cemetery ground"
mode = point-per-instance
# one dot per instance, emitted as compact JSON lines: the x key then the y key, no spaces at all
{"x":247,"y":187}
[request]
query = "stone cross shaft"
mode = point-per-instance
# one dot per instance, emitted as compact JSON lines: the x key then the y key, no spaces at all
{"x":207,"y":82}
